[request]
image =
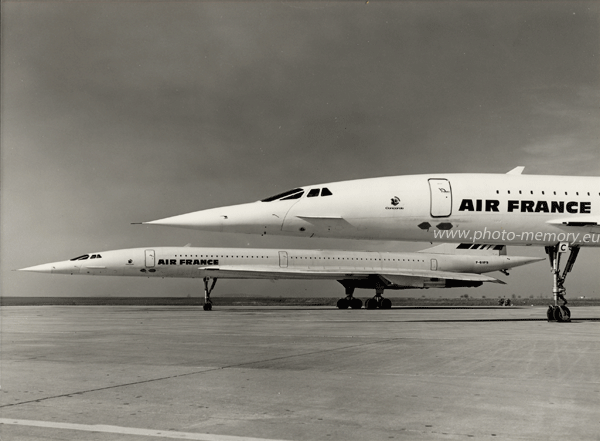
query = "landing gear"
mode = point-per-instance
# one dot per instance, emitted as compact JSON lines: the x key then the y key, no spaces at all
{"x":378,"y":301}
{"x":556,"y":312}
{"x":349,"y":301}
{"x":207,"y":301}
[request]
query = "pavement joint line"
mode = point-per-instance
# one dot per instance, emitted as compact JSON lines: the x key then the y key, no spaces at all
{"x":37,"y":400}
{"x":130,"y":430}
{"x":109,"y":387}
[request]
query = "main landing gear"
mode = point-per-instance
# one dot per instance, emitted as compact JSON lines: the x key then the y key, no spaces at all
{"x":378,"y":301}
{"x":349,"y":301}
{"x":556,"y":312}
{"x":352,"y":302}
{"x":207,"y":301}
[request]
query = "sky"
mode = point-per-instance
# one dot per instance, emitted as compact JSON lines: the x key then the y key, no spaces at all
{"x":121,"y":112}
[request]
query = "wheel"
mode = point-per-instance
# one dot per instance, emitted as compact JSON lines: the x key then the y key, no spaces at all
{"x":371,"y":304}
{"x":550,"y":313}
{"x":342,"y":304}
{"x":356,"y":303}
{"x":562,"y":314}
{"x":386,"y":304}
{"x":207,"y":306}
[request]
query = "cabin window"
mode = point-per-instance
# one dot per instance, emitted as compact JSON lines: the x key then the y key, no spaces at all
{"x":313,"y":193}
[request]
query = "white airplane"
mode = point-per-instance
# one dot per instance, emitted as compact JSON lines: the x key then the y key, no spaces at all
{"x":353,"y":269}
{"x":560,"y":213}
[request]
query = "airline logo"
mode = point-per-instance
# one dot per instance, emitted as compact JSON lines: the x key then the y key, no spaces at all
{"x":188,"y":262}
{"x":525,"y":206}
{"x":395,"y":201}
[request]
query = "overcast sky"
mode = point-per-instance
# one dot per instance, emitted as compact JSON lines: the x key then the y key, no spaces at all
{"x":117,"y":112}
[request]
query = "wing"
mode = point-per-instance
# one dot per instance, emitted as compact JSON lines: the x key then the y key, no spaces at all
{"x":585,"y":224}
{"x":396,"y":277}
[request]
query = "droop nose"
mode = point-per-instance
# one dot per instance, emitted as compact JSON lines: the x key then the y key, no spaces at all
{"x":44,"y":268}
{"x":66,"y":267}
{"x":208,"y":220}
{"x":252,"y":218}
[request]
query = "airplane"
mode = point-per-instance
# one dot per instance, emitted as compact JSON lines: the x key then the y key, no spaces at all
{"x":353,"y":269}
{"x":560,"y":213}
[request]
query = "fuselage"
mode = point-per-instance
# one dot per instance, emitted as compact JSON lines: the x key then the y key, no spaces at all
{"x":194,"y":262}
{"x":511,"y":209}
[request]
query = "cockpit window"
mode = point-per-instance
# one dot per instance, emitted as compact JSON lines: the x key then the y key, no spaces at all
{"x":313,"y":193}
{"x":326,"y":192}
{"x":290,"y":194}
{"x":84,"y":257}
{"x":293,"y":196}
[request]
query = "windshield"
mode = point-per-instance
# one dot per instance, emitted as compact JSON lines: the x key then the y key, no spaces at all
{"x":87,"y":256}
{"x":290,"y":194}
{"x":84,"y":257}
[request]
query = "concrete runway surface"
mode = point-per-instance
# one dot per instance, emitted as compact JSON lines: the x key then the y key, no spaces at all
{"x":287,"y":373}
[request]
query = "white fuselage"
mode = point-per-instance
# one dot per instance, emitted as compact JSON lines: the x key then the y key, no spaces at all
{"x":508,"y":209}
{"x":200,"y":262}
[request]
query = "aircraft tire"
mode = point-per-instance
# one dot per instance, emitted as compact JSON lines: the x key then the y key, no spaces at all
{"x":371,"y":304}
{"x":562,"y":314}
{"x":207,"y":307}
{"x":550,"y":313}
{"x":342,"y":304}
{"x":356,"y":303}
{"x":386,"y":304}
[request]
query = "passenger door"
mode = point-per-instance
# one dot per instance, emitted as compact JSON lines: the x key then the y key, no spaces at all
{"x":283,"y":259}
{"x":150,"y":261}
{"x":441,"y":197}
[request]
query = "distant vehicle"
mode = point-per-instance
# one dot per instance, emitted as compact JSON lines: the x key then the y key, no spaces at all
{"x":353,"y":269}
{"x":560,"y":213}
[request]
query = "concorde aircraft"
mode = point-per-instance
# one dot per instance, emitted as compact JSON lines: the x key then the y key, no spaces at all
{"x":353,"y":269}
{"x":560,"y":213}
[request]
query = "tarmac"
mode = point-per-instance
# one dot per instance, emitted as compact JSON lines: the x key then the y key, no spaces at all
{"x":291,"y":373}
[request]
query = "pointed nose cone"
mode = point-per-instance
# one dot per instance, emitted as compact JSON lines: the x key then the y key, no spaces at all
{"x":208,"y":220}
{"x":252,"y":218}
{"x":44,"y":268}
{"x":65,"y":267}
{"x":514,"y":261}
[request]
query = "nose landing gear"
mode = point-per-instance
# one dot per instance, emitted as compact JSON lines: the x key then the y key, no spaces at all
{"x":207,"y":301}
{"x":556,"y":312}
